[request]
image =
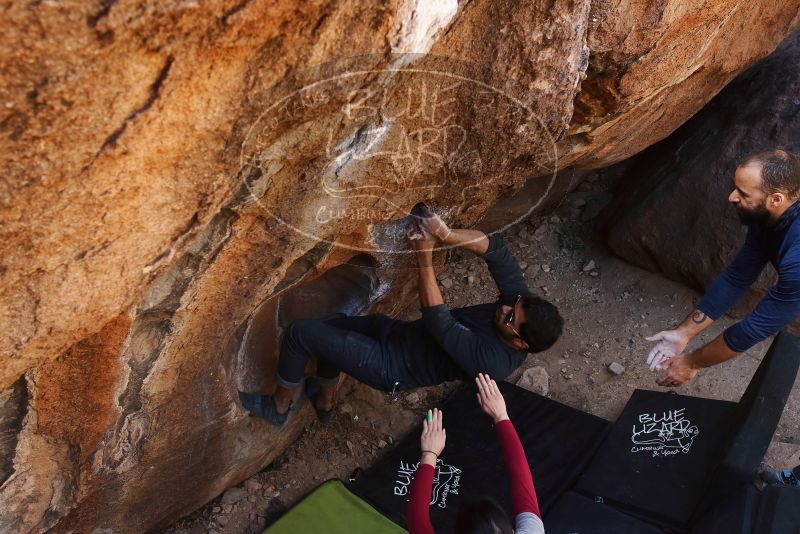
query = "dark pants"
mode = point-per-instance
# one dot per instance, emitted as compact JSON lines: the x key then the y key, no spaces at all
{"x":349,"y":344}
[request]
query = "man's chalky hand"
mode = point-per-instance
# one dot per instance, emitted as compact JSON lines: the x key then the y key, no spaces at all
{"x":676,"y":371}
{"x":670,"y":343}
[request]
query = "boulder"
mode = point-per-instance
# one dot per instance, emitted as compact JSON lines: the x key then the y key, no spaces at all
{"x":671,"y":212}
{"x":653,"y":65}
{"x":177,"y":175}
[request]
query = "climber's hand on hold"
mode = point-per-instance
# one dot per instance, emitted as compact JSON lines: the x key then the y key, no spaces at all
{"x":420,"y":240}
{"x":436,"y":227}
{"x":427,"y":219}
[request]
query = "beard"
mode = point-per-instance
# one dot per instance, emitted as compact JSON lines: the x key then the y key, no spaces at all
{"x":758,"y":215}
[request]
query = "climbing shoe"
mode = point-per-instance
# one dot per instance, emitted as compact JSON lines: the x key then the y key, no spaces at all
{"x":783,"y":477}
{"x":263,"y":406}
{"x":313,"y":388}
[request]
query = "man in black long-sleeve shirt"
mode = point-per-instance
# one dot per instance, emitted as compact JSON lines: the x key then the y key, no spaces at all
{"x":394,"y":355}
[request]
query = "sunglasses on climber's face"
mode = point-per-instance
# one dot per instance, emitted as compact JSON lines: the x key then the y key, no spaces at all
{"x":508,"y":320}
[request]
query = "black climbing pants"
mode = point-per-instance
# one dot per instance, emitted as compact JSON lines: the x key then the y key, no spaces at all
{"x":349,"y":344}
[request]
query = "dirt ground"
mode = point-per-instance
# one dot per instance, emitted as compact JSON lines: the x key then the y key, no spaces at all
{"x":609,"y":308}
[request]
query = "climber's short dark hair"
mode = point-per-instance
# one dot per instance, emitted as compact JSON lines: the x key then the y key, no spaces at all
{"x":543,"y":325}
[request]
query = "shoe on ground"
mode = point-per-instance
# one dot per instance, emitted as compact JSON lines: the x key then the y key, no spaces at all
{"x":313,"y":388}
{"x":263,"y":406}
{"x":783,"y":477}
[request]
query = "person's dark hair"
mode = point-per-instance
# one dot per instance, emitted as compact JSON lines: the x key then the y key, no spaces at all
{"x":482,"y":516}
{"x":780,"y":171}
{"x":543,"y":325}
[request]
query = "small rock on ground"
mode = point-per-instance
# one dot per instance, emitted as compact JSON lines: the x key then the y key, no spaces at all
{"x":535,"y":379}
{"x":616,"y":368}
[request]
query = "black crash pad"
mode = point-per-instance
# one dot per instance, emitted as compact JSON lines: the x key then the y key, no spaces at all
{"x":578,"y":514}
{"x":755,"y":419}
{"x":735,"y":514}
{"x":558,"y":442}
{"x":658,"y":455}
{"x":779,"y":511}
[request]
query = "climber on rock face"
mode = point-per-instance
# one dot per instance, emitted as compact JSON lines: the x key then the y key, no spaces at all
{"x":765,"y":195}
{"x":394,"y":355}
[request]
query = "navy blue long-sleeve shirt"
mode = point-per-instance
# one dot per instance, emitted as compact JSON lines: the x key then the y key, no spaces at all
{"x":781,"y":305}
{"x":460,"y":343}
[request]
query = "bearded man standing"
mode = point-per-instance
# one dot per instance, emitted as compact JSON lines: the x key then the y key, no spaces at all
{"x":765,"y":194}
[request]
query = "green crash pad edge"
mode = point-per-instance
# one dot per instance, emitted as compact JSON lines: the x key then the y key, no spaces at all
{"x":332,"y":508}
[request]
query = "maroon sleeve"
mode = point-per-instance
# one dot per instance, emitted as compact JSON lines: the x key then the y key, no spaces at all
{"x":419,"y":498}
{"x":523,"y":496}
